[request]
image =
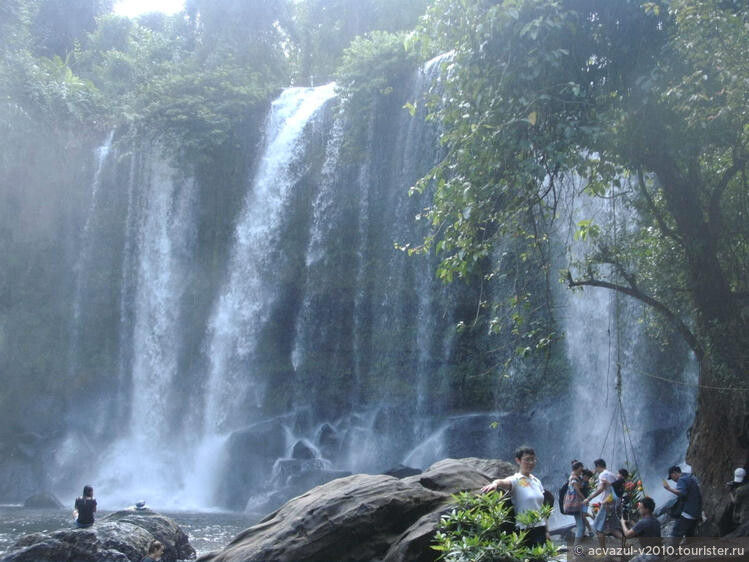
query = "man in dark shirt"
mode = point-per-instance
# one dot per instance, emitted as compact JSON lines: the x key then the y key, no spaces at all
{"x":647,"y":527}
{"x":691,"y":512}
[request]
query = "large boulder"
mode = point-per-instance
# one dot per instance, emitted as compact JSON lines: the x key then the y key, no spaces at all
{"x":363,"y":517}
{"x":120,"y":537}
{"x":451,"y":475}
{"x":43,"y":500}
{"x":175,"y":540}
{"x":352,"y":518}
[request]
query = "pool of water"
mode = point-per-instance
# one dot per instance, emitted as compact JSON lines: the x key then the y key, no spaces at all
{"x":208,"y":531}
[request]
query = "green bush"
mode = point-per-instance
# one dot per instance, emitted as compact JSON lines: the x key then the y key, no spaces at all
{"x":474,"y":530}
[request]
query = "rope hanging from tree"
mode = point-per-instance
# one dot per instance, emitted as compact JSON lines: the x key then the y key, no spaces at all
{"x":619,"y":417}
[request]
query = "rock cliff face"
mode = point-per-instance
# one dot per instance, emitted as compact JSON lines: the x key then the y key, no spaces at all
{"x":363,"y":517}
{"x":123,"y":536}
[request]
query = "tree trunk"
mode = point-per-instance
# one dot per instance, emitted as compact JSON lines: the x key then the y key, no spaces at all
{"x":718,"y":440}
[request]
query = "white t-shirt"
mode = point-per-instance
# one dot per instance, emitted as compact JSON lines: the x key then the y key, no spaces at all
{"x":527,"y":494}
{"x":610,"y":478}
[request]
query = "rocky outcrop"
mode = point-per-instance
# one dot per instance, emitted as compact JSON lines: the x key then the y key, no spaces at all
{"x":43,"y":500}
{"x":402,"y":471}
{"x":362,"y":517}
{"x":250,"y":455}
{"x":120,"y":537}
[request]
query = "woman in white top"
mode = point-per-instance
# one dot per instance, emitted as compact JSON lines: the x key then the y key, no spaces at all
{"x":527,"y":493}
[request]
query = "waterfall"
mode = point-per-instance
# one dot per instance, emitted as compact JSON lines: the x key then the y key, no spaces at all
{"x":324,"y":211}
{"x":159,"y":243}
{"x":234,"y":391}
{"x":84,"y":257}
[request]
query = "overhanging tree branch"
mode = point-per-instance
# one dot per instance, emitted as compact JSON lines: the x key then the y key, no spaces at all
{"x":653,"y":209}
{"x":677,"y":322}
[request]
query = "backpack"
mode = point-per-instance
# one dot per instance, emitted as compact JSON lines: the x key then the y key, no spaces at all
{"x":562,"y":493}
{"x":618,"y":487}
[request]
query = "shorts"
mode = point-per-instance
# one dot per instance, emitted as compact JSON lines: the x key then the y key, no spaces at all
{"x":684,"y":527}
{"x":604,"y":521}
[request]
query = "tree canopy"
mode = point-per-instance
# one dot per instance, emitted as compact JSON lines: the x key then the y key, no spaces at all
{"x":646,"y":106}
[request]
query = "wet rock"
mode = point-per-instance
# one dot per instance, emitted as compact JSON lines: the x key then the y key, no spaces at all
{"x":308,"y":480}
{"x":451,"y":476}
{"x":43,"y":500}
{"x":250,"y":456}
{"x":303,"y":450}
{"x":175,"y":540}
{"x":402,"y":471}
{"x":120,"y":537}
{"x":353,"y":518}
{"x":285,"y":469}
{"x":414,"y":544}
{"x":329,"y":441}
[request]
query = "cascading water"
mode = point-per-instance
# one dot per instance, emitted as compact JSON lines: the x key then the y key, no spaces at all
{"x":160,"y":242}
{"x":83,"y":263}
{"x":244,"y":303}
{"x":319,"y":348}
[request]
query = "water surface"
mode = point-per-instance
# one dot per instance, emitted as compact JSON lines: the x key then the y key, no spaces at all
{"x":208,"y":531}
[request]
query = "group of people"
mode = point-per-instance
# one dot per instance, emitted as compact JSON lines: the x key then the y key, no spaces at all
{"x":83,"y":513}
{"x":527,"y":494}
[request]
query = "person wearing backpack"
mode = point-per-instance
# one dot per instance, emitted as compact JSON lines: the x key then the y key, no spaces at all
{"x":688,"y":492}
{"x":573,"y":499}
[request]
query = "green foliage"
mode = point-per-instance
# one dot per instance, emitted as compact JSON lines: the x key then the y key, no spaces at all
{"x":324,"y":28}
{"x":374,"y":65}
{"x":474,"y":530}
{"x":58,"y":24}
{"x":643,"y":107}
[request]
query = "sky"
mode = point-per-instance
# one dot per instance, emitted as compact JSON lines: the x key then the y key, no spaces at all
{"x":133,"y":8}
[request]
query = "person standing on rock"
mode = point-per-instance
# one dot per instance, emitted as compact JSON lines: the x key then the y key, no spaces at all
{"x":688,"y":491}
{"x":155,"y":552}
{"x":526,"y":492}
{"x":85,"y":507}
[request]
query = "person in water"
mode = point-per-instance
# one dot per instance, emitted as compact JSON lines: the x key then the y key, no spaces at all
{"x":85,"y":507}
{"x":526,"y":492}
{"x":155,"y":552}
